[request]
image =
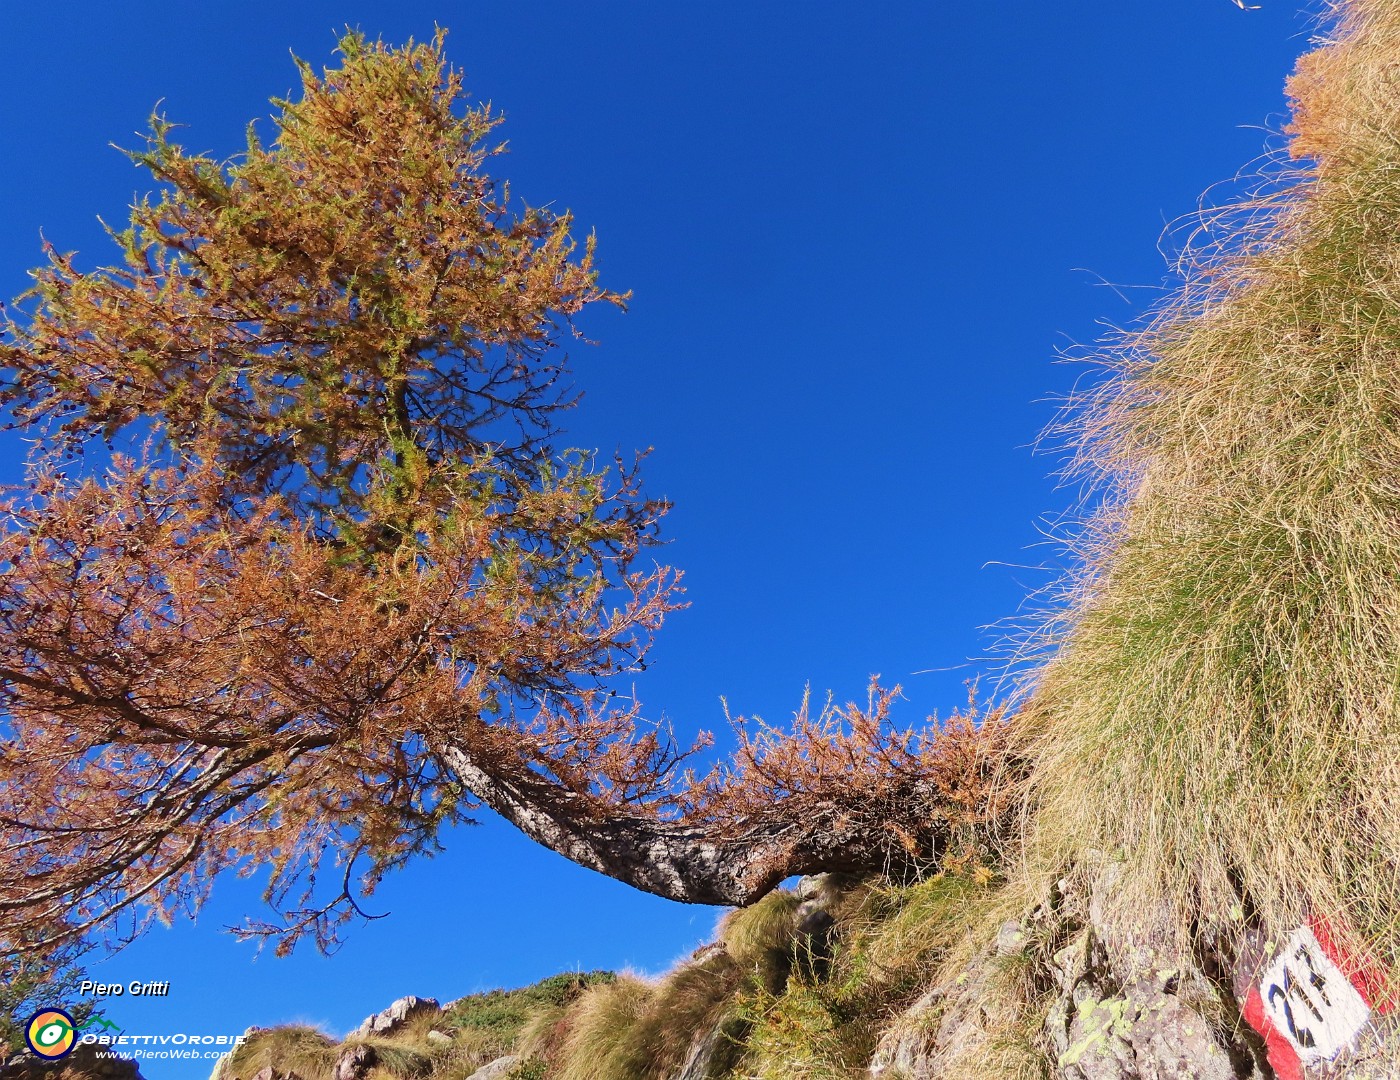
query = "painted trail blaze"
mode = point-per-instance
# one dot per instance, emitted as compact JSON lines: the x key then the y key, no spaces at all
{"x":1310,"y":1003}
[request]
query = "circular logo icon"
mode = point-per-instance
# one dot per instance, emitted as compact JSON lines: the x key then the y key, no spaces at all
{"x":50,"y":1034}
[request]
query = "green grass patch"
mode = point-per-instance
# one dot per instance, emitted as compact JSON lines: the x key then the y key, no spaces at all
{"x":501,"y":1015}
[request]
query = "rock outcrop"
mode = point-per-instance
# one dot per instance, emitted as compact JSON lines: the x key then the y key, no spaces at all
{"x":355,"y":1062}
{"x":1101,"y":998}
{"x":395,"y":1016}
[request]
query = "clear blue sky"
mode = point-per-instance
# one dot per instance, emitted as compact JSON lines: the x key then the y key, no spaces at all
{"x":857,"y":235}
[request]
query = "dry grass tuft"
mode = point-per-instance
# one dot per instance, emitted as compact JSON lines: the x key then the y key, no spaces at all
{"x":487,"y":1025}
{"x":646,"y":1031}
{"x":895,"y":939}
{"x":760,"y":937}
{"x":799,"y":1036}
{"x":294,"y":1048}
{"x":395,"y":1059}
{"x":543,"y":1035}
{"x":891,"y":944}
{"x":600,"y":1022}
{"x":687,"y":1005}
{"x":1224,"y":704}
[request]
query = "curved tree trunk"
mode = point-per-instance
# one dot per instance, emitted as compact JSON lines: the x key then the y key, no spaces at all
{"x":699,"y":862}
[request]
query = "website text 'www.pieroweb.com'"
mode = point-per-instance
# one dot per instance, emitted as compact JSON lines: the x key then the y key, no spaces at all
{"x":177,"y":1047}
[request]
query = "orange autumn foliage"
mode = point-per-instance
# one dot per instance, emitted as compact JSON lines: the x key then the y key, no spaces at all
{"x":298,"y":575}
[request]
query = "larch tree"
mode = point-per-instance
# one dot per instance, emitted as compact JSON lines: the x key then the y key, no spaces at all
{"x":297,"y":576}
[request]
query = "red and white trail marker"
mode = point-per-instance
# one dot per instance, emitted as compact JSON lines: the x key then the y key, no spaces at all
{"x":1310,"y":1003}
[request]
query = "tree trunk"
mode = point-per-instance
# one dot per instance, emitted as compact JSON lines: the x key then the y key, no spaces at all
{"x":697,"y":862}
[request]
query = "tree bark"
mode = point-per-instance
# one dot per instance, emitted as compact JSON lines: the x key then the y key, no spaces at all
{"x":696,"y":862}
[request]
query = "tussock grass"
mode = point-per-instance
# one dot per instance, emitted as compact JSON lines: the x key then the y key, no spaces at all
{"x":685,"y":1007}
{"x":487,"y":1025}
{"x":760,"y":938}
{"x":891,"y":944}
{"x":395,"y":1059}
{"x":894,"y":940}
{"x":296,"y":1048}
{"x":787,"y":1015}
{"x":800,"y":1036}
{"x":1223,"y":707}
{"x":643,"y":1031}
{"x":543,"y":1033}
{"x":596,"y":1042}
{"x":632,"y":1030}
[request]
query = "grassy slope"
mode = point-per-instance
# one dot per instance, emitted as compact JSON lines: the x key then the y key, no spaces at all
{"x":1224,"y":705}
{"x":470,"y":1032}
{"x":783,"y":1007}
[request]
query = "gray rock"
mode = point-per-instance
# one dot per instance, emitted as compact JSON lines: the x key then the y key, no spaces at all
{"x":355,"y":1063}
{"x":1121,"y":1004}
{"x":708,"y":952}
{"x":812,"y":886}
{"x":814,"y":929}
{"x":814,"y":921}
{"x":496,"y":1070}
{"x":1127,"y":1005}
{"x":395,"y":1016}
{"x":439,"y":1038}
{"x":1011,"y":939}
{"x":1142,"y":1032}
{"x":697,"y":1062}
